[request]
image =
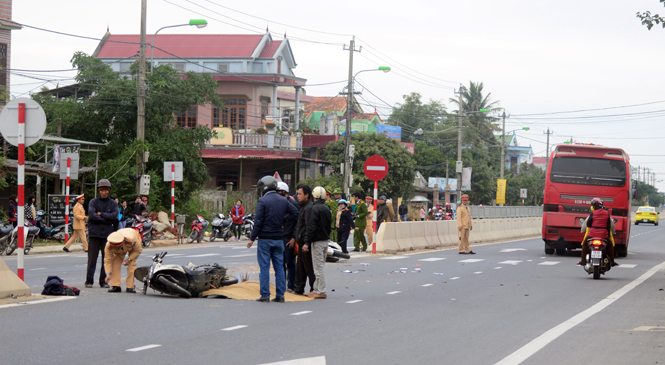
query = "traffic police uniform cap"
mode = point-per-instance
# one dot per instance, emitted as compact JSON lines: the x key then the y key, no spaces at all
{"x":116,"y":238}
{"x":80,"y":197}
{"x":465,"y":197}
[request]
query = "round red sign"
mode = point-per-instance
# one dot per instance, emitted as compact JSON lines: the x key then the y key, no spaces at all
{"x":376,"y":168}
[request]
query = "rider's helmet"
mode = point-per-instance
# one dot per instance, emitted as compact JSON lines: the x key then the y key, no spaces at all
{"x":342,"y":201}
{"x":319,"y":193}
{"x":282,"y":186}
{"x":447,"y":204}
{"x":597,"y":203}
{"x":266,"y":184}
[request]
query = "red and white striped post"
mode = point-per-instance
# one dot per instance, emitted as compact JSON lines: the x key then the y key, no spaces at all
{"x":69,"y":161}
{"x":172,"y":195}
{"x":374,"y":215}
{"x":21,"y":188}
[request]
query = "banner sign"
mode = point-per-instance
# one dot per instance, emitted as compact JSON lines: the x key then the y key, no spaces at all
{"x":441,"y":181}
{"x":390,"y":130}
{"x":466,"y":179}
{"x":56,"y":207}
{"x":501,"y":191}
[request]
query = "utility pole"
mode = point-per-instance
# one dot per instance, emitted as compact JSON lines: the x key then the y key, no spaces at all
{"x":503,"y":144}
{"x":140,"y":102}
{"x":349,"y":117}
{"x":459,"y":144}
{"x":547,"y":151}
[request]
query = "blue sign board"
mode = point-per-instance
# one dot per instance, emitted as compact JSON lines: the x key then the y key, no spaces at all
{"x":390,"y":130}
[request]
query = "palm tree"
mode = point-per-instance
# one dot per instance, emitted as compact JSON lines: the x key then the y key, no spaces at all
{"x":480,"y":128}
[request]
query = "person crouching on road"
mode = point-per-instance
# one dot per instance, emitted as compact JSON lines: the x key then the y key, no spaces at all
{"x":316,"y":240}
{"x":121,"y":242}
{"x":464,"y":226}
{"x":273,"y":211}
{"x":344,"y":224}
{"x":79,"y":225}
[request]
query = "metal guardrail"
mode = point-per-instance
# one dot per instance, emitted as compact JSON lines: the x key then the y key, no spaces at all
{"x":489,"y":212}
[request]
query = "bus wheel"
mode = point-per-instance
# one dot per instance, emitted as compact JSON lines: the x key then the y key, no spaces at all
{"x":622,"y":251}
{"x":548,"y":251}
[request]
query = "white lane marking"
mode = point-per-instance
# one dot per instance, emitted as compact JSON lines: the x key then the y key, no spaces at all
{"x":393,"y":258}
{"x":529,"y":260}
{"x":245,"y":255}
{"x":20,"y":304}
{"x":240,"y":247}
{"x":234,"y":328}
{"x":433,"y":259}
{"x":320,"y":360}
{"x":427,"y":284}
{"x":147,"y":347}
{"x":497,"y":268}
{"x":627,"y":266}
{"x":546,"y":338}
{"x":354,"y":301}
{"x":469,"y":261}
{"x":393,"y":292}
{"x":513,"y":249}
{"x":549,"y":263}
{"x":478,"y":272}
{"x":172,"y":254}
{"x":300,"y":313}
{"x":41,"y":268}
{"x":454,"y":278}
{"x":204,"y":255}
{"x":510,"y":262}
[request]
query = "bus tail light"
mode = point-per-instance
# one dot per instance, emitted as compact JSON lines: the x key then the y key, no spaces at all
{"x":561,"y":209}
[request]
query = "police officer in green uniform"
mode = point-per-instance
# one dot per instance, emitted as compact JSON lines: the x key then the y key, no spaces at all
{"x":332,"y":204}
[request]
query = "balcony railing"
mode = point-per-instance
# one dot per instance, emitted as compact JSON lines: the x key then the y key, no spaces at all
{"x":251,"y":140}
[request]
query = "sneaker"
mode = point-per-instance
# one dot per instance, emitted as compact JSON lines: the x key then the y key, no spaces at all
{"x":316,"y":295}
{"x":355,"y":250}
{"x":115,"y":289}
{"x":278,"y":300}
{"x":471,"y":253}
{"x":263,"y":300}
{"x":65,"y":249}
{"x":130,"y":290}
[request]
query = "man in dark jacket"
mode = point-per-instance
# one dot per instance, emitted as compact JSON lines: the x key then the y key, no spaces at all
{"x":289,"y":241}
{"x":403,"y":211}
{"x":102,"y":220}
{"x":272,"y":213}
{"x":382,"y":212}
{"x":344,"y":224}
{"x":136,"y":207}
{"x":304,"y":268}
{"x":316,"y":239}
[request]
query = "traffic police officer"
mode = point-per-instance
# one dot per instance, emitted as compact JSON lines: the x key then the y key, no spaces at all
{"x":121,"y":242}
{"x":464,"y":225}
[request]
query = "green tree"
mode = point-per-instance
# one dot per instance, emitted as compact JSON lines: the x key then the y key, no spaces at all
{"x":650,"y":20}
{"x":647,"y":193}
{"x":531,"y":178}
{"x":413,"y":114}
{"x":479,"y":129}
{"x":398,"y":183}
{"x":106,"y":112}
{"x":431,"y":160}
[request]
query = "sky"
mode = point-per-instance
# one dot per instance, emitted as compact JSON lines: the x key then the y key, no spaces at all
{"x":534,"y":57}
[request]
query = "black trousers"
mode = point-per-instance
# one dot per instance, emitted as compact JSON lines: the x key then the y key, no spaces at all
{"x":95,"y":245}
{"x":342,"y":238}
{"x":304,"y":270}
{"x":235,"y":228}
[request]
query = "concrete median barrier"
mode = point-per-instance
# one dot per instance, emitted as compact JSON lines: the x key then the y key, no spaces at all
{"x":431,"y":234}
{"x":405,"y":240}
{"x":418,"y":234}
{"x":386,"y":240}
{"x":447,"y":232}
{"x":10,"y":284}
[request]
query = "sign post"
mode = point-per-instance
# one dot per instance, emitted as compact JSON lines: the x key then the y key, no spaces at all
{"x":376,"y":168}
{"x":523,"y":195}
{"x":69,"y":170}
{"x":30,"y":129}
{"x":173,"y":172}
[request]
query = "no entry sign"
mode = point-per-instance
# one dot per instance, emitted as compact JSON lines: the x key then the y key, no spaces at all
{"x":376,"y":168}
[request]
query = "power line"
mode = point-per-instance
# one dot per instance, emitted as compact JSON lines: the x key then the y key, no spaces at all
{"x":589,"y":110}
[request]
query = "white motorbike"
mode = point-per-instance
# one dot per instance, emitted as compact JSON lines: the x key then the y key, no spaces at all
{"x":335,"y":252}
{"x":29,"y":234}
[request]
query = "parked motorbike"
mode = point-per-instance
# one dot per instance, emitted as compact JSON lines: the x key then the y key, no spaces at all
{"x":597,"y":261}
{"x":185,"y":281}
{"x":30,"y":232}
{"x":221,"y":228}
{"x":143,"y":226}
{"x":56,"y":228}
{"x":199,"y":226}
{"x":335,"y":252}
{"x":247,"y":225}
{"x":5,"y":237}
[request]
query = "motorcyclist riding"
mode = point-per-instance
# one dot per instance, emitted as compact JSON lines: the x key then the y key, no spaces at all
{"x":599,"y":225}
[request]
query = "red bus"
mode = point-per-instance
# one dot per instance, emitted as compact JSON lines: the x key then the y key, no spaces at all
{"x":575,"y":175}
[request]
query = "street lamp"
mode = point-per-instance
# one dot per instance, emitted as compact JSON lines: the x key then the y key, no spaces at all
{"x":349,"y":108}
{"x":199,"y":23}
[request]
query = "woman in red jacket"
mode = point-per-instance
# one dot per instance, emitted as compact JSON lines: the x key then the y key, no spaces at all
{"x":237,"y":214}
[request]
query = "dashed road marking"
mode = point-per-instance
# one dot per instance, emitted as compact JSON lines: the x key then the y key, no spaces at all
{"x":393,"y":292}
{"x":433,"y":259}
{"x":234,"y":328}
{"x":204,"y":255}
{"x":513,"y":249}
{"x":427,"y":284}
{"x":393,"y":258}
{"x":497,"y":268}
{"x":41,"y":268}
{"x":147,"y":347}
{"x":510,"y":262}
{"x":300,"y":313}
{"x":627,"y":266}
{"x":469,"y":261}
{"x":354,"y":301}
{"x":321,"y":360}
{"x":549,"y":263}
{"x":478,"y":272}
{"x":19,"y":304}
{"x":454,"y":278}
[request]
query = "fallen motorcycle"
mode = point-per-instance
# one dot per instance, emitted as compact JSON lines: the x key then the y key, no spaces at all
{"x":185,"y":281}
{"x":335,"y":252}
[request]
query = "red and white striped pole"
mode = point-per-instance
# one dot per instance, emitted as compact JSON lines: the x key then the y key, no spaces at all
{"x":374,"y":215}
{"x":69,"y":161}
{"x":172,"y":195}
{"x":21,"y":188}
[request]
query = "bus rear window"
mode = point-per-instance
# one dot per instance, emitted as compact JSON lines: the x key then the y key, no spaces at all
{"x":588,"y":171}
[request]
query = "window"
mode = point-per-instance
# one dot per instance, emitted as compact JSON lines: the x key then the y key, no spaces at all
{"x":215,"y":117}
{"x":646,"y":210}
{"x":3,"y":64}
{"x":187,"y":118}
{"x":234,"y":115}
{"x":588,"y":171}
{"x":124,"y":66}
{"x":179,"y":66}
{"x":264,"y":109}
{"x":223,"y":67}
{"x":287,"y":179}
{"x":227,"y":175}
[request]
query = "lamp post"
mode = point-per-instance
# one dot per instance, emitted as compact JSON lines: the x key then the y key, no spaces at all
{"x":199,"y":23}
{"x":349,"y":117}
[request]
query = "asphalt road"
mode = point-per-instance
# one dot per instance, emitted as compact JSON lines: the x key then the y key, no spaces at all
{"x":508,"y":304}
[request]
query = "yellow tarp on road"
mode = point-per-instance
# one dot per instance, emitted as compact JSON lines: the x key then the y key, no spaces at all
{"x":250,"y":290}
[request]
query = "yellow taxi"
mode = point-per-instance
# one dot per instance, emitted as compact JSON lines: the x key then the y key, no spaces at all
{"x":646,"y":215}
